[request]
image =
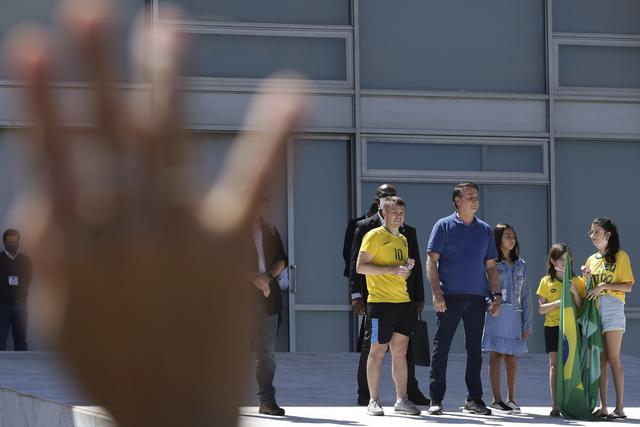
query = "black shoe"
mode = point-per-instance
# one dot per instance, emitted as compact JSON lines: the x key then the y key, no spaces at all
{"x":271,"y":409}
{"x":476,"y":406}
{"x":363,"y":400}
{"x":419,"y":399}
{"x":501,"y":407}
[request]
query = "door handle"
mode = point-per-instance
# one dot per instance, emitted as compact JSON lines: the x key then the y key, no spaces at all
{"x":292,"y":279}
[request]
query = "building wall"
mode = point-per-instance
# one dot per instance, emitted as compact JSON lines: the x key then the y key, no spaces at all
{"x":537,"y":100}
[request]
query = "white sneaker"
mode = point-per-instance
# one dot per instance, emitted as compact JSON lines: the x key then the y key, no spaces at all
{"x":435,"y":408}
{"x":374,"y":408}
{"x":405,"y":406}
{"x":514,"y":407}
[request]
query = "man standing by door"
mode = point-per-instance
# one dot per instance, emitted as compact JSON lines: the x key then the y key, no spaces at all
{"x":461,"y":256}
{"x":15,"y":278}
{"x":270,"y":260}
{"x":359,"y":294}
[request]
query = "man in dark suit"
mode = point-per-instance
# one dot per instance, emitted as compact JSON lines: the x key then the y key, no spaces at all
{"x":358,"y":289}
{"x":270,"y":260}
{"x":384,"y":190}
{"x":15,"y":269}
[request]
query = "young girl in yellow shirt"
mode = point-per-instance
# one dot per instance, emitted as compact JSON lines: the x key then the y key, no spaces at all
{"x":549,"y":293}
{"x":610,"y":271}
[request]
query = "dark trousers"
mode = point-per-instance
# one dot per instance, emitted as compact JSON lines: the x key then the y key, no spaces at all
{"x":13,"y":315}
{"x":471,"y":309}
{"x":365,"y":346}
{"x":265,"y":346}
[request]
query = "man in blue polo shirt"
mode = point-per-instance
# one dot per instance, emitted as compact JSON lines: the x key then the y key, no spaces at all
{"x":461,"y":267}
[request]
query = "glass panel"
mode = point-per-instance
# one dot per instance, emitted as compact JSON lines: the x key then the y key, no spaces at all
{"x":599,"y":66}
{"x":322,"y":331}
{"x":453,"y":157}
{"x":216,"y":55}
{"x":321,"y":203}
{"x":598,"y":178}
{"x":453,"y":45}
{"x":325,"y":12}
{"x":43,"y":11}
{"x":408,"y":156}
{"x":514,"y":158}
{"x":596,"y":16}
{"x":13,"y":175}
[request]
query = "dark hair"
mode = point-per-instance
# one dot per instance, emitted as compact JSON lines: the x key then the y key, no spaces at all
{"x":614,"y":240}
{"x":457,"y":190}
{"x":498,"y":231}
{"x":395,"y":200}
{"x":10,"y":232}
{"x":555,"y":253}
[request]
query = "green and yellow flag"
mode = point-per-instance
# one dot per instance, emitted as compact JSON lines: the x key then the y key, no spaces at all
{"x":575,"y":368}
{"x":592,"y":347}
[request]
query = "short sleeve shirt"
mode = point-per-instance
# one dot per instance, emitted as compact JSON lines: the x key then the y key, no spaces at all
{"x":618,"y":272}
{"x":387,"y":250}
{"x":463,"y":251}
{"x":551,"y":290}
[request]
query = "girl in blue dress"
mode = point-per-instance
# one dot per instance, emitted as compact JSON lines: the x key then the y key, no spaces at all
{"x":505,"y":334}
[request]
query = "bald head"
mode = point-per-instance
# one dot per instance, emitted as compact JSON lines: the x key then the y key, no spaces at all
{"x":385,"y":190}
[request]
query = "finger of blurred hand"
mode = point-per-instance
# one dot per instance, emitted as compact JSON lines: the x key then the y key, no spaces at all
{"x":251,"y":159}
{"x":31,"y":56}
{"x":160,"y":52}
{"x":90,"y":25}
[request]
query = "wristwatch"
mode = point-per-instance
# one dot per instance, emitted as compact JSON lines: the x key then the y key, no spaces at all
{"x":497,"y":294}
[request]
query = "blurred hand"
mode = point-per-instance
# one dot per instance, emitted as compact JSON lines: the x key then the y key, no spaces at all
{"x":526,"y":334}
{"x":419,"y":307}
{"x":146,"y":281}
{"x":357,"y":305}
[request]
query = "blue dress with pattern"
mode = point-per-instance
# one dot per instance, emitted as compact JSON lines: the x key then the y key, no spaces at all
{"x":503,"y":333}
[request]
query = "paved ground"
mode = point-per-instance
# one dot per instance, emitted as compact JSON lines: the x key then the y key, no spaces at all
{"x":319,"y":389}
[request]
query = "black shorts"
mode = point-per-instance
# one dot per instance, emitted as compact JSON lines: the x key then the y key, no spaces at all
{"x":551,"y":338}
{"x":387,"y":318}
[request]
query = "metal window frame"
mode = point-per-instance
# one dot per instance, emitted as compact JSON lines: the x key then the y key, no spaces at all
{"x":486,"y":177}
{"x":264,"y":30}
{"x":598,"y":40}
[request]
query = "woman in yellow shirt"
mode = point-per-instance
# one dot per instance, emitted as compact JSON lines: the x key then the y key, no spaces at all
{"x":610,"y":271}
{"x":549,"y":293}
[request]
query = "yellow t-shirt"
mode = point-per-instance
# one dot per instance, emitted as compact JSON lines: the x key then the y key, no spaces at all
{"x":551,"y":290}
{"x":618,"y":272}
{"x":386,"y":249}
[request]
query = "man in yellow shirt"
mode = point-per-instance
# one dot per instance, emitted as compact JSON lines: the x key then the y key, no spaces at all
{"x":383,"y":258}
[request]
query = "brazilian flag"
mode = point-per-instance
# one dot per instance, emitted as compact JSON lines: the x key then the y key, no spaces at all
{"x":592,"y":347}
{"x":576,"y":361}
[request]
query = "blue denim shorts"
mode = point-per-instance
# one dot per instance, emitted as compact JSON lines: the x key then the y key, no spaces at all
{"x":612,"y":314}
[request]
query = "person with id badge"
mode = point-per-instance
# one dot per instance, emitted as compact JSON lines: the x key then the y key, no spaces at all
{"x":15,"y":278}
